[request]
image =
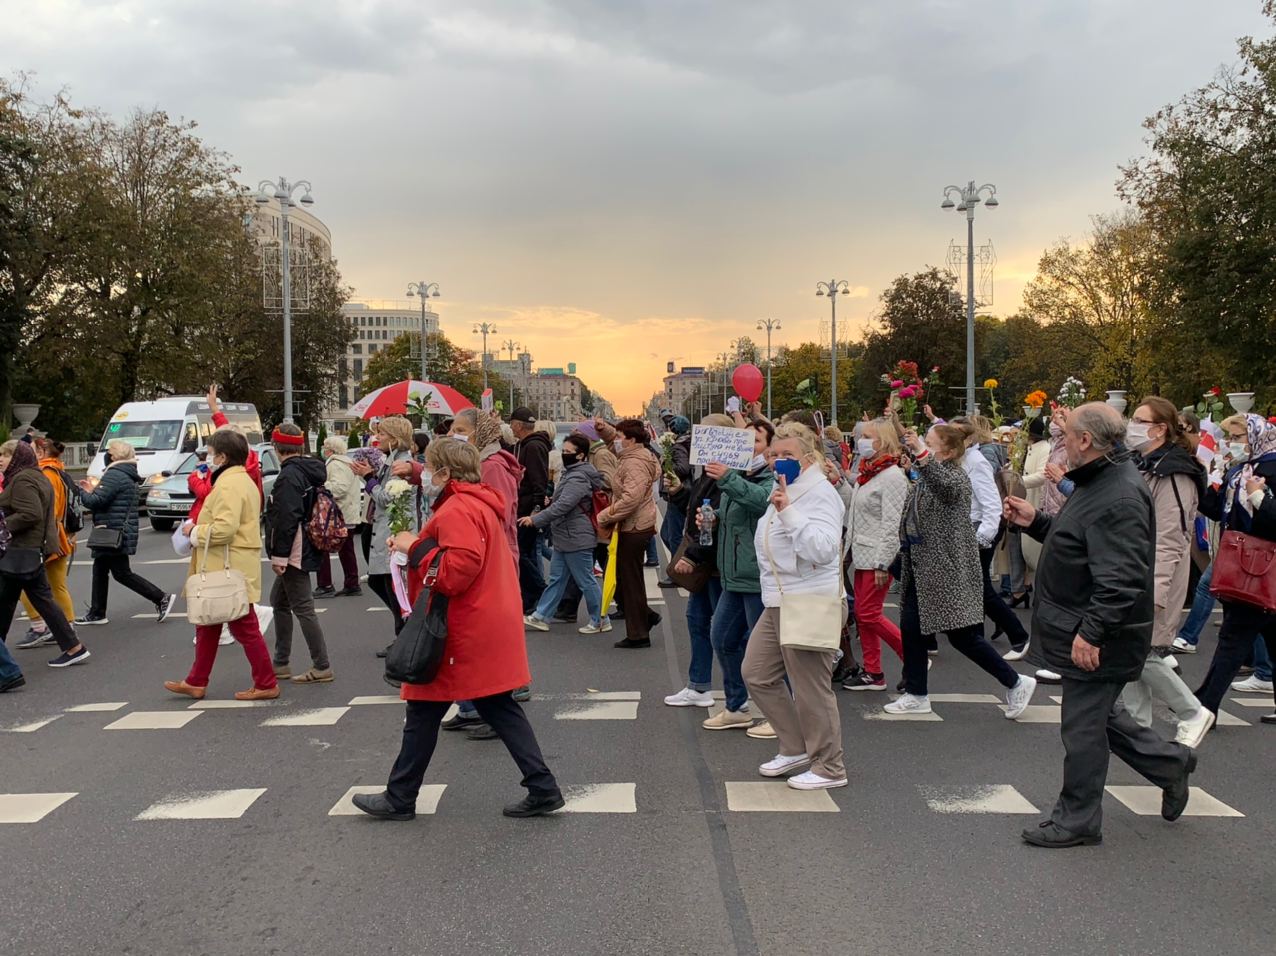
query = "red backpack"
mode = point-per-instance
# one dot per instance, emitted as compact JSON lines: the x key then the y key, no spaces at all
{"x":591,"y":506}
{"x":325,"y":526}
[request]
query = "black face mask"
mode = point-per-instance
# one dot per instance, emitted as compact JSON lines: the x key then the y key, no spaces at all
{"x":573,"y":459}
{"x":106,"y":458}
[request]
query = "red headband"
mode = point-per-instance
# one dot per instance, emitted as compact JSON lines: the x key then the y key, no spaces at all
{"x":279,"y":438}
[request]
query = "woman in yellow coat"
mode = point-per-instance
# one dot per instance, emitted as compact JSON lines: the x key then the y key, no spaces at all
{"x":231,"y":516}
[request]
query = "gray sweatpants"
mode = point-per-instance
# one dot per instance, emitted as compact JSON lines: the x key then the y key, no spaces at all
{"x":1158,"y":681}
{"x":291,"y":595}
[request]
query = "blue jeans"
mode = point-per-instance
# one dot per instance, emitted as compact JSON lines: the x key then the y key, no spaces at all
{"x":1202,"y":608}
{"x":9,"y":668}
{"x":653,"y":553}
{"x":699,"y":621}
{"x":733,"y":621}
{"x":671,"y":529}
{"x":1262,"y":660}
{"x":579,"y":566}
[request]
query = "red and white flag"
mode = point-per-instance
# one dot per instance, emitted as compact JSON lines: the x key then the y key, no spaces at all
{"x":1207,"y":450}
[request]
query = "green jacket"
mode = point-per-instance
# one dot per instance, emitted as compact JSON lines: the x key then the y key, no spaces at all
{"x":745,"y":498}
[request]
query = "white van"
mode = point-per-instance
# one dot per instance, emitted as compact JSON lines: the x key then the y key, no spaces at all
{"x":164,"y":432}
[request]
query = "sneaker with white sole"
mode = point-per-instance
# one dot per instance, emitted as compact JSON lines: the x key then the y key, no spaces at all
{"x":1193,"y":730}
{"x":164,"y":608}
{"x":1183,"y":647}
{"x":1019,"y":697}
{"x":601,"y":628}
{"x":1048,"y":677}
{"x":813,"y":781}
{"x":88,"y":620}
{"x":908,"y":704}
{"x":728,"y":720}
{"x":1169,"y":659}
{"x":762,"y":730}
{"x":782,"y":766}
{"x":66,"y":659}
{"x":689,"y":698}
{"x":535,"y":623}
{"x":36,"y":638}
{"x":863,"y":680}
{"x":1250,"y":685}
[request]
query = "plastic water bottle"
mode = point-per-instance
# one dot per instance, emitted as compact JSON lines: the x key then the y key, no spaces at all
{"x":706,"y":524}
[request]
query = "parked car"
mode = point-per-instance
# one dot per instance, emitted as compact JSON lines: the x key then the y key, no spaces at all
{"x":168,"y":499}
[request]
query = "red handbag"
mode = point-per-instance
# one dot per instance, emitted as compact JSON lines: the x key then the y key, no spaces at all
{"x":1245,"y":570}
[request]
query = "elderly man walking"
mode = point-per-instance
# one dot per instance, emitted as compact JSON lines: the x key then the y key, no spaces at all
{"x":1093,"y":625}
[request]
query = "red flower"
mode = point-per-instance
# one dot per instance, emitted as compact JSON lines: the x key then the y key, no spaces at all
{"x":1216,"y":390}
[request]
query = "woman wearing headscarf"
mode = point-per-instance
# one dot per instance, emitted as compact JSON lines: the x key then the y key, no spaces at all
{"x":27,"y":505}
{"x":1241,"y":500}
{"x":57,"y":563}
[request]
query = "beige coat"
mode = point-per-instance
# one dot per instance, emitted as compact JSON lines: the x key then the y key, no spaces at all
{"x":1173,"y":547}
{"x":345,"y":486}
{"x":633,"y":503}
{"x":231,"y":516}
{"x":1034,"y":478}
{"x":604,"y":461}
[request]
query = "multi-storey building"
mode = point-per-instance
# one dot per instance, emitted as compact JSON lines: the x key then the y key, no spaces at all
{"x":681,"y":386}
{"x":376,"y":324}
{"x":555,"y":394}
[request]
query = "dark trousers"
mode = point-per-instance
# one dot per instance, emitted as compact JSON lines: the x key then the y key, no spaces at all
{"x":384,"y":589}
{"x":969,"y":641}
{"x":631,"y":585}
{"x":531,"y":580}
{"x":41,"y":597}
{"x":1094,"y":722}
{"x":421,"y":732}
{"x":349,"y":566}
{"x":569,"y":606}
{"x":107,"y":566}
{"x":995,"y":608}
{"x":672,"y":527}
{"x":291,"y":595}
{"x":1241,"y":624}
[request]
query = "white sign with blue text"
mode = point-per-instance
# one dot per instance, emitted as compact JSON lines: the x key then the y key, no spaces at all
{"x":732,"y":447}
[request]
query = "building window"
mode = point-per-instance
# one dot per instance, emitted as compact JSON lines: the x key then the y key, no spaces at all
{"x":372,"y":349}
{"x":356,"y":348}
{"x":358,"y":368}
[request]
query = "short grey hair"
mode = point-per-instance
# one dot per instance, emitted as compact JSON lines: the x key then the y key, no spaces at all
{"x":335,"y":445}
{"x":469,"y":415}
{"x":121,"y":450}
{"x":1103,"y":422}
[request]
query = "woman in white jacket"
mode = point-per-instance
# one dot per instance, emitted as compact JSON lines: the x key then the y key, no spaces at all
{"x":799,"y":544}
{"x":878,"y":501}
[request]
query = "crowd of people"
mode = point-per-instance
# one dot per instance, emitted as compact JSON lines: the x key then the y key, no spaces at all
{"x":1100,"y":526}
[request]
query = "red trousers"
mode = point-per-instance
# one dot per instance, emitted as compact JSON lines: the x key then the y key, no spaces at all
{"x":247,"y":631}
{"x":873,"y":625}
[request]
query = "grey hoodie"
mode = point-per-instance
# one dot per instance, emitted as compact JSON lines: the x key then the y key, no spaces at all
{"x":567,"y":516}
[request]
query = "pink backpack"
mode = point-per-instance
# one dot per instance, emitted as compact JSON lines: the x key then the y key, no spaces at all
{"x":325,"y":526}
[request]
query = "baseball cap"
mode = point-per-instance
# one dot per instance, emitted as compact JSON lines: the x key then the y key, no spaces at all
{"x":523,"y":414}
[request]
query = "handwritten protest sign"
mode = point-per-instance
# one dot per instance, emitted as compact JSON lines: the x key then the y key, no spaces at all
{"x":732,"y":447}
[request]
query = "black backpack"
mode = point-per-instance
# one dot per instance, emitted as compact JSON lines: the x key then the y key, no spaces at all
{"x":73,"y":519}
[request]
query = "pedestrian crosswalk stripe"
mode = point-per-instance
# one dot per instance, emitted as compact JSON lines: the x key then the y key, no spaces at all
{"x":1146,"y":802}
{"x":600,"y":798}
{"x":993,"y":798}
{"x":313,"y":717}
{"x":1231,"y":720}
{"x":757,"y":797}
{"x":593,"y":695}
{"x":154,"y":720}
{"x":964,"y":699}
{"x":211,"y":805}
{"x":427,"y":800}
{"x":230,"y":703}
{"x":1265,"y":702}
{"x":1038,"y":714}
{"x":375,"y":699}
{"x":30,"y":807}
{"x":883,"y":715}
{"x":601,"y":710}
{"x":106,"y":707}
{"x":30,"y":727}
{"x":151,"y":616}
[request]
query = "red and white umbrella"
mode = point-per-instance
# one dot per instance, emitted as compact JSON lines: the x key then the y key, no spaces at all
{"x":394,"y":400}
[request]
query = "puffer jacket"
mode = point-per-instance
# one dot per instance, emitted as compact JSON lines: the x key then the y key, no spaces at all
{"x":533,"y":455}
{"x":633,"y":504}
{"x":289,"y":506}
{"x":567,"y":516}
{"x":114,"y":504}
{"x":876,"y":507}
{"x":744,"y":499}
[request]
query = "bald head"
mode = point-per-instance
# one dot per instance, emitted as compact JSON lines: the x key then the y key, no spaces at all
{"x":1093,"y":430}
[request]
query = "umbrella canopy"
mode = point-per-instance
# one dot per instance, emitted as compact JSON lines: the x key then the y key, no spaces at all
{"x":394,"y":400}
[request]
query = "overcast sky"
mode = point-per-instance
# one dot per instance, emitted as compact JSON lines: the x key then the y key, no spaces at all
{"x":623,"y":183}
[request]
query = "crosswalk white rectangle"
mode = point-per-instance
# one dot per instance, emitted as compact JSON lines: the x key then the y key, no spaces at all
{"x":427,"y":800}
{"x":1264,"y":702}
{"x":600,"y":798}
{"x":154,"y":720}
{"x":103,"y":708}
{"x":1146,"y":802}
{"x":30,"y":807}
{"x":777,"y":797}
{"x":932,"y":717}
{"x":965,"y":699}
{"x":992,"y":798}
{"x":600,"y":710}
{"x":312,"y":717}
{"x":230,"y":703}
{"x":375,"y":699}
{"x":1038,"y":714}
{"x":30,"y":726}
{"x":210,"y":805}
{"x":1231,"y":720}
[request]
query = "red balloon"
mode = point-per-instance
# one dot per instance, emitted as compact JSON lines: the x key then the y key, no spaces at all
{"x":748,"y":382}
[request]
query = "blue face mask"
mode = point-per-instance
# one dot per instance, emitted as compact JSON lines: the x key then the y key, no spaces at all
{"x":790,"y":468}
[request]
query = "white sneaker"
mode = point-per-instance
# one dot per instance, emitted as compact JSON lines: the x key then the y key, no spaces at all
{"x":782,"y":766}
{"x":1183,"y":647}
{"x":226,"y":639}
{"x":1169,"y":659}
{"x":908,"y":704}
{"x":813,"y":781}
{"x":1193,"y":730}
{"x":535,"y":623}
{"x":1253,"y":685}
{"x":1019,"y":696}
{"x":601,"y":628}
{"x":689,"y":698}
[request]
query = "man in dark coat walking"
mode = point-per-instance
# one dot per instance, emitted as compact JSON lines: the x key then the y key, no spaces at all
{"x":532,"y":451}
{"x":1093,"y":625}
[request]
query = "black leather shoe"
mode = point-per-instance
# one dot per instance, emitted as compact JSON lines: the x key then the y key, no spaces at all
{"x":1054,"y":837}
{"x":13,"y":683}
{"x":461,"y":723}
{"x":324,"y":592}
{"x":348,"y":592}
{"x":376,"y":805}
{"x":482,"y":731}
{"x":1266,"y":718}
{"x":1174,"y":797}
{"x":627,"y":644}
{"x":535,"y":805}
{"x":653,"y":620}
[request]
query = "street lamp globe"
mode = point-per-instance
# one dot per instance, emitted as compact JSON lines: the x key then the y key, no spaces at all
{"x":947,"y":204}
{"x":307,"y":200}
{"x":991,"y":202}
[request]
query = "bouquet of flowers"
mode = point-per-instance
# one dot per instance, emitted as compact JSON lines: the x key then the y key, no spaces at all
{"x":401,"y":508}
{"x":907,"y":390}
{"x":1033,"y":402}
{"x":1072,"y":393}
{"x":1210,"y":405}
{"x":666,"y":453}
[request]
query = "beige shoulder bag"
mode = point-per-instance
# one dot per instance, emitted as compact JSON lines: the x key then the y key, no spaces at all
{"x":217,"y":598}
{"x":808,"y":622}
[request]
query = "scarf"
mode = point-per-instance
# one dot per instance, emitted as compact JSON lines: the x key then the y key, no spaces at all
{"x":1052,"y":498}
{"x":1262,"y":448}
{"x":874,"y":467}
{"x":22,"y":459}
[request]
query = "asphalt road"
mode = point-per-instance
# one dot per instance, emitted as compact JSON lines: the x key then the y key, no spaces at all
{"x":665,"y":860}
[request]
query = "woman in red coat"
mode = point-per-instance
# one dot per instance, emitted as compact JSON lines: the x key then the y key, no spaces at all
{"x":485,"y":657}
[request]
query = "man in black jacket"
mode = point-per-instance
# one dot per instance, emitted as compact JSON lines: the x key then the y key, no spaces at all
{"x":293,"y":556}
{"x":532,"y":452}
{"x":1093,"y":625}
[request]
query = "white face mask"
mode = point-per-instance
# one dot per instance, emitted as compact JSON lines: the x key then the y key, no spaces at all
{"x":464,"y":438}
{"x":1238,"y":450}
{"x":865,"y":448}
{"x":1136,"y":435}
{"x":759,"y":461}
{"x":618,"y":446}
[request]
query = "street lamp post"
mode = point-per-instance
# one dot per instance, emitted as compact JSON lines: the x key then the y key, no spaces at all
{"x":485,"y":329}
{"x":833,"y":288}
{"x":424,"y":290}
{"x":770,"y":325}
{"x":283,"y":191}
{"x":970,"y":196}
{"x":511,"y":346}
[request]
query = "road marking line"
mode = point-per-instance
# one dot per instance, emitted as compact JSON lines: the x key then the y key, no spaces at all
{"x":30,"y":807}
{"x":154,"y":720}
{"x":213,"y":805}
{"x":151,"y":616}
{"x":601,"y":710}
{"x":232,"y":704}
{"x":593,"y":695}
{"x":994,"y":798}
{"x":1037,"y":714}
{"x":427,"y":800}
{"x":965,"y":699}
{"x":1146,"y":802}
{"x":883,"y":715}
{"x":375,"y":699}
{"x":97,"y":708}
{"x":600,"y":798}
{"x":1265,"y":702}
{"x":756,"y":797}
{"x":32,"y":727}
{"x":315,"y":717}
{"x":1231,"y":720}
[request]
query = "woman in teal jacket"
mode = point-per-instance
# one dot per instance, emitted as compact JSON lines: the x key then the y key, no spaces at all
{"x":745,"y":496}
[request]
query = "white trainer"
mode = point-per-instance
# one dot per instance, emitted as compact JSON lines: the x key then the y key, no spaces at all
{"x":813,"y":781}
{"x":1019,"y":697}
{"x":782,"y":766}
{"x":1193,"y":730}
{"x":908,"y":704}
{"x":1169,"y":659}
{"x":601,"y":628}
{"x":535,"y":623}
{"x":1183,"y":647}
{"x":1253,"y":684}
{"x":689,"y":698}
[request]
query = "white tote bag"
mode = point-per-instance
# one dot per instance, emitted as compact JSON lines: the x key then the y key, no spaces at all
{"x":216,"y":598}
{"x":808,"y":622}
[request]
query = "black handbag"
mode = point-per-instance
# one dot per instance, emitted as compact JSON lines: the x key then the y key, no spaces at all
{"x":417,"y":652}
{"x":102,"y":538}
{"x":21,"y":562}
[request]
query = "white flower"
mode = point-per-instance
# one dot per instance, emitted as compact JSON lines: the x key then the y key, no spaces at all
{"x":396,"y":487}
